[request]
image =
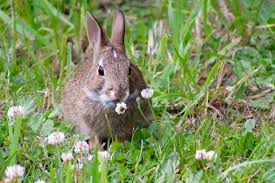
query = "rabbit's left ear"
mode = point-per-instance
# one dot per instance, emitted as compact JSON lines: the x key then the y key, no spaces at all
{"x":96,"y":35}
{"x":118,"y":30}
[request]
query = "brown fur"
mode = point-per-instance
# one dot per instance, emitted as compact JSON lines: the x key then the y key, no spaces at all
{"x":91,"y":117}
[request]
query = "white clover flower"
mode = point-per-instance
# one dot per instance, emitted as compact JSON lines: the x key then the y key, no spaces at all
{"x":229,"y":88}
{"x":16,"y":110}
{"x":81,"y":146}
{"x":104,"y":154}
{"x":147,"y":93}
{"x":200,"y":154}
{"x":90,"y":157}
{"x":40,"y":181}
{"x":120,"y":108}
{"x":67,"y":156}
{"x":210,"y":155}
{"x":78,"y":166}
{"x":191,"y":121}
{"x":15,"y":171}
{"x":55,"y":137}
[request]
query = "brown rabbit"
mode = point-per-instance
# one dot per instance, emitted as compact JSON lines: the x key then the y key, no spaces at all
{"x":89,"y":98}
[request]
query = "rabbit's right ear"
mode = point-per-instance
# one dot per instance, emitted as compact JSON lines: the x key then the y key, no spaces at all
{"x":96,"y":34}
{"x":118,"y":30}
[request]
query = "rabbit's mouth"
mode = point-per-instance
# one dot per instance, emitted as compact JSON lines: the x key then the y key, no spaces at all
{"x":103,"y":99}
{"x":107,"y":101}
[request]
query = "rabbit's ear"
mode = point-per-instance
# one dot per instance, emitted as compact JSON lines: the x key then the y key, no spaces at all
{"x":96,"y":34}
{"x":118,"y":30}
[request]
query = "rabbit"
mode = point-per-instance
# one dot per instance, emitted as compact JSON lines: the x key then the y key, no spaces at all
{"x":90,"y":96}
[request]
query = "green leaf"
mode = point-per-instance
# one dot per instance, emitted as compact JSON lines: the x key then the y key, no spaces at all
{"x":193,"y":177}
{"x":47,"y":127}
{"x":52,"y":11}
{"x":269,"y":176}
{"x":263,"y":102}
{"x":249,"y":125}
{"x":23,"y":28}
{"x":36,"y":122}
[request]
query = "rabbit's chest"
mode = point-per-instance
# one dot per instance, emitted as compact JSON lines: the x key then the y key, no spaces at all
{"x":113,"y":120}
{"x":104,"y":122}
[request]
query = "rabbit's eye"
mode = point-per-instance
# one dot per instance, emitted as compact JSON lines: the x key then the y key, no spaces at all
{"x":130,"y":70}
{"x":100,"y":71}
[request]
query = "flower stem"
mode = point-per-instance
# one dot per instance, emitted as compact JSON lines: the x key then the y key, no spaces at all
{"x":153,"y":113}
{"x":141,"y":112}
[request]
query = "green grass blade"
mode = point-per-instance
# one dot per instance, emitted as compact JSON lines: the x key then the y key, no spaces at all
{"x":52,"y":11}
{"x":15,"y":138}
{"x":244,"y":164}
{"x":23,"y":28}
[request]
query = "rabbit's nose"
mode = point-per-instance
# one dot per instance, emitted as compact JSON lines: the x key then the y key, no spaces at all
{"x":117,"y":95}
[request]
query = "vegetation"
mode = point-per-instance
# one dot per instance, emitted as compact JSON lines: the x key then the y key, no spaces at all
{"x":211,"y":65}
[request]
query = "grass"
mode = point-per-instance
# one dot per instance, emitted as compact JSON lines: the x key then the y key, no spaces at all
{"x":211,"y":64}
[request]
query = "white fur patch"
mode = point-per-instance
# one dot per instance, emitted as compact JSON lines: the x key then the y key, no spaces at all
{"x":105,"y":100}
{"x":100,"y":63}
{"x":126,"y":96}
{"x":132,"y":96}
{"x":114,"y":53}
{"x":98,"y":97}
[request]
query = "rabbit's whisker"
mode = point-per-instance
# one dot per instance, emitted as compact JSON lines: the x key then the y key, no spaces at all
{"x":132,"y":96}
{"x":97,"y":97}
